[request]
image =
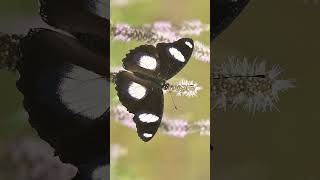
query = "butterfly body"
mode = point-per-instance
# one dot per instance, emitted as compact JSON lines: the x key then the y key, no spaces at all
{"x":159,"y":82}
{"x":140,"y":87}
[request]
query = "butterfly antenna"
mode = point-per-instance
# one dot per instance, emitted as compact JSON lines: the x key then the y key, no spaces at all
{"x":253,"y":76}
{"x":173,"y":101}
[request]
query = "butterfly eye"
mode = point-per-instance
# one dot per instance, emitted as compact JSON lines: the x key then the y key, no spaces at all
{"x":137,"y":91}
{"x":148,"y":62}
{"x":189,"y":44}
{"x":148,"y":118}
{"x":176,"y":54}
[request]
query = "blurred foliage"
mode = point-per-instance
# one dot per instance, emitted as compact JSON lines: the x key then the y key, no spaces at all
{"x":9,"y":9}
{"x":13,"y":119}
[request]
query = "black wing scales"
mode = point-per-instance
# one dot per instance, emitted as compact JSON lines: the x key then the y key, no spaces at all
{"x":51,"y":60}
{"x":144,"y":99}
{"x":51,"y":84}
{"x":161,"y":62}
{"x":143,"y":60}
{"x":78,"y":17}
{"x":74,"y":16}
{"x":223,"y":14}
{"x":174,"y":56}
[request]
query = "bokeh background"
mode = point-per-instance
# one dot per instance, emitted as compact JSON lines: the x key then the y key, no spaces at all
{"x":166,"y":157}
{"x":15,"y":17}
{"x":23,"y":155}
{"x":274,"y":145}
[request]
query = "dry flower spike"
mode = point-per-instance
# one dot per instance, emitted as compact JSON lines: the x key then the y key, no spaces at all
{"x":163,"y":31}
{"x":239,"y":83}
{"x":174,"y":127}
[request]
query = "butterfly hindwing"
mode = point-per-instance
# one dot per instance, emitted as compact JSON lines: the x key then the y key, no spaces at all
{"x":67,"y":103}
{"x":174,"y":56}
{"x":144,"y":99}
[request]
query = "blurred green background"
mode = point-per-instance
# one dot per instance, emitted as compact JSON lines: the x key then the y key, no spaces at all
{"x":166,"y":157}
{"x":16,"y":16}
{"x":13,"y":119}
{"x":276,"y":145}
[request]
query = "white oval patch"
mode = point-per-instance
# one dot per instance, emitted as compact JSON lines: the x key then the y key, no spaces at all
{"x":148,"y":118}
{"x":176,"y":54}
{"x":136,"y":90}
{"x":89,"y":99}
{"x":188,"y":44}
{"x":147,"y":135}
{"x":148,"y":62}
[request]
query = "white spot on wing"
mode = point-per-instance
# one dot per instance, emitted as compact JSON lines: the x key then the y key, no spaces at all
{"x":147,"y":135}
{"x":84,"y":92}
{"x":188,"y":44}
{"x":148,"y":118}
{"x":148,"y":62}
{"x":176,"y":54}
{"x":136,"y":90}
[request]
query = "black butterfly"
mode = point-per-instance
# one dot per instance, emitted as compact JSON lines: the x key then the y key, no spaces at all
{"x":140,"y":87}
{"x":223,"y":14}
{"x":65,"y":83}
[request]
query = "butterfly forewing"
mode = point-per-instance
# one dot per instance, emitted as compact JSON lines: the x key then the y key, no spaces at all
{"x":78,"y":17}
{"x":174,"y":56}
{"x":161,"y":62}
{"x":74,"y":16}
{"x":143,"y":60}
{"x":144,"y":99}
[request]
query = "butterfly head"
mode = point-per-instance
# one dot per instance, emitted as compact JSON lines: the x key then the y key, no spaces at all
{"x":165,"y":86}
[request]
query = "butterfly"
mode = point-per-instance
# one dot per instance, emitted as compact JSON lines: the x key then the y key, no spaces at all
{"x":223,"y":14}
{"x":64,"y":78}
{"x":140,"y":87}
